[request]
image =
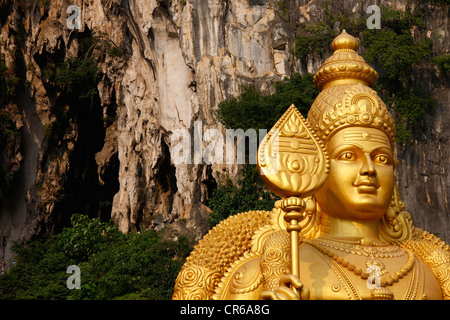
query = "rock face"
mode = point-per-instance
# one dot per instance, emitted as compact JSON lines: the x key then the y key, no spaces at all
{"x":190,"y":56}
{"x":180,"y":59}
{"x":423,"y":171}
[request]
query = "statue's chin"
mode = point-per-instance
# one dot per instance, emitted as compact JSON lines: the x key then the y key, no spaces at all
{"x":363,"y":211}
{"x":367,"y":216}
{"x":358,"y":207}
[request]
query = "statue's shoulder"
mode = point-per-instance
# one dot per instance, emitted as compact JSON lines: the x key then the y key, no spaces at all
{"x":226,"y":263}
{"x":228,"y":248}
{"x":435,"y":253}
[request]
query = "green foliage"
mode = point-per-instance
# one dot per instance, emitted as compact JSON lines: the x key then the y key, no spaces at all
{"x":85,"y":237}
{"x":252,"y":109}
{"x":11,"y":82}
{"x":113,"y":51}
{"x":74,"y":80}
{"x":8,"y":134}
{"x":393,"y":46}
{"x":48,"y":128}
{"x":242,"y":111}
{"x":394,"y":50}
{"x":142,"y":267}
{"x":113,"y":265}
{"x":79,"y":75}
{"x":37,"y":273}
{"x":352,"y":23}
{"x":8,"y":129}
{"x":8,"y":82}
{"x":312,"y":39}
{"x":250,"y":194}
{"x":76,"y":77}
{"x":282,"y":7}
{"x":443,"y":63}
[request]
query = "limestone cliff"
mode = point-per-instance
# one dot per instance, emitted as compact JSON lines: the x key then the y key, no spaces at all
{"x":174,"y":61}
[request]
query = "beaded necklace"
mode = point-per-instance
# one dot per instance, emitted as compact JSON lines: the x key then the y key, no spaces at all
{"x":389,"y":280}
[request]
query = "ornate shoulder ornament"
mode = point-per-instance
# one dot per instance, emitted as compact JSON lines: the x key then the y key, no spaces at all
{"x":215,"y":254}
{"x":435,"y":253}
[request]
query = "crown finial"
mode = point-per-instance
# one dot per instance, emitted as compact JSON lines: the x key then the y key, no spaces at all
{"x":345,"y":66}
{"x":345,"y":41}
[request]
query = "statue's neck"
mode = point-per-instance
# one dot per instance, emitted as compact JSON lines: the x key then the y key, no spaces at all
{"x":340,"y":229}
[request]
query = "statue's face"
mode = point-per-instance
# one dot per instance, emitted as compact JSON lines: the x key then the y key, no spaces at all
{"x":361,"y":180}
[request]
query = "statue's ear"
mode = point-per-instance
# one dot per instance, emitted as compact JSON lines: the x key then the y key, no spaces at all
{"x":292,"y":159}
{"x":396,"y":224}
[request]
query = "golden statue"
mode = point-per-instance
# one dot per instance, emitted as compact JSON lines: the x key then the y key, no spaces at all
{"x":341,"y":230}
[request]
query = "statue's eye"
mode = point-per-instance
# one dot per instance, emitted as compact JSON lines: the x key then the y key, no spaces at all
{"x":382,"y":158}
{"x":347,"y":156}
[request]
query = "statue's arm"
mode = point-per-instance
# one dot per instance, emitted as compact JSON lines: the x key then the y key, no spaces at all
{"x":278,"y":282}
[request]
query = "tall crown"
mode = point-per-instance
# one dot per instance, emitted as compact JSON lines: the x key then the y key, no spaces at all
{"x":345,"y":66}
{"x":346,"y":98}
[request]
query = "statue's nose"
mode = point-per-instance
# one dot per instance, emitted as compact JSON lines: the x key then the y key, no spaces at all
{"x":367,"y":167}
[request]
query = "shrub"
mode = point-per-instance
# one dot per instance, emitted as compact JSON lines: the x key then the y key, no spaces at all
{"x":113,"y":265}
{"x":37,"y":274}
{"x":443,"y":63}
{"x":313,"y":39}
{"x":140,"y":266}
{"x":8,"y":130}
{"x":79,"y":76}
{"x":394,"y":50}
{"x":250,"y":194}
{"x":8,"y":82}
{"x":252,"y":109}
{"x":85,"y":237}
{"x":396,"y":53}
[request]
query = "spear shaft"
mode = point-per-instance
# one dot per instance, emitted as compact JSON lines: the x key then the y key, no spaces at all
{"x":294,"y":208}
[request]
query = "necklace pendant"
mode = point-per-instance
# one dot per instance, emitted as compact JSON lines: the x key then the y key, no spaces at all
{"x":382,"y":294}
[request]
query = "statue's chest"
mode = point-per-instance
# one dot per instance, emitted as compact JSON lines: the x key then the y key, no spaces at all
{"x":334,"y":272}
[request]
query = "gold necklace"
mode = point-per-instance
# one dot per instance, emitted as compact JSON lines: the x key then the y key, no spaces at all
{"x":379,"y":293}
{"x":355,"y":248}
{"x":362,"y":242}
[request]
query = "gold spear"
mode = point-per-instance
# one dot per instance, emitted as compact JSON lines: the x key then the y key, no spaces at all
{"x":294,"y":164}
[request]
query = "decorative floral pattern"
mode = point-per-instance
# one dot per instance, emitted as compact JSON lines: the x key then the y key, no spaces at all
{"x":436,"y":254}
{"x":276,"y":259}
{"x":215,"y":253}
{"x":195,"y":283}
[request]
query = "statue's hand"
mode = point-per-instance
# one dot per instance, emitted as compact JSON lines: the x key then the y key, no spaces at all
{"x":285,"y":291}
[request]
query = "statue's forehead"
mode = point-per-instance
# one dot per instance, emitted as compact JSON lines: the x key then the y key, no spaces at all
{"x":360,"y":135}
{"x":363,"y":137}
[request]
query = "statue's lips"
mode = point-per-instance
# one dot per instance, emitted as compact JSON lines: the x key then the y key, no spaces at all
{"x":366,"y":186}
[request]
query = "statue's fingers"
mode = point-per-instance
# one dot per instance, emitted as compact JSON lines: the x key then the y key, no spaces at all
{"x":269,"y":295}
{"x":288,"y":280}
{"x":284,"y":293}
{"x":304,"y":294}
